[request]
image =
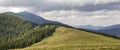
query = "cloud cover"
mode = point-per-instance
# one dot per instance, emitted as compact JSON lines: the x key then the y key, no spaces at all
{"x":50,"y":5}
{"x":97,"y":18}
{"x":73,"y":12}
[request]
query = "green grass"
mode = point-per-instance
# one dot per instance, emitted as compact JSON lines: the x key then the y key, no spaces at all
{"x":71,"y":39}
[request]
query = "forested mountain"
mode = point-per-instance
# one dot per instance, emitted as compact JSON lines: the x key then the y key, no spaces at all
{"x":19,"y":33}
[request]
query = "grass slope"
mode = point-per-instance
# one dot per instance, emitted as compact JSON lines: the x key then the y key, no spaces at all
{"x":72,"y":39}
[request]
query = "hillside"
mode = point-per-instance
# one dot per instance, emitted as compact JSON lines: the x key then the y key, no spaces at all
{"x":71,"y":39}
{"x":18,"y":33}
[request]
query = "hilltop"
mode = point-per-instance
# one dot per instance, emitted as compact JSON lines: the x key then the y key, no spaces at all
{"x":71,"y":39}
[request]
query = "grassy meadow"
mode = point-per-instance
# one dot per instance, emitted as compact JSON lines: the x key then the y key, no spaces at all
{"x":71,"y":39}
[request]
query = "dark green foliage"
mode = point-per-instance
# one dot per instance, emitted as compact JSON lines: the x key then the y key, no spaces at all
{"x":18,"y":33}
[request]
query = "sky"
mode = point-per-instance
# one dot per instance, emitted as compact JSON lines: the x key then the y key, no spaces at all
{"x":72,"y":12}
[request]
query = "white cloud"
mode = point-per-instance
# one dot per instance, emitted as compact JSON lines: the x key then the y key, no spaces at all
{"x":84,"y":2}
{"x":72,"y":17}
{"x":14,"y":9}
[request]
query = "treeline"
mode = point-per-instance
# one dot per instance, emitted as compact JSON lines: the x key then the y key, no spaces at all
{"x":18,"y":33}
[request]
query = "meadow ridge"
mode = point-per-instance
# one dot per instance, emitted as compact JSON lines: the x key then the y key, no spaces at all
{"x":71,"y":39}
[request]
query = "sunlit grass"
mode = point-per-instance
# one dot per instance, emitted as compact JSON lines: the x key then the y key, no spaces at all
{"x":72,"y":39}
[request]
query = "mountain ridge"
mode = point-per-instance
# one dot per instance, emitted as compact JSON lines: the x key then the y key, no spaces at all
{"x":112,"y":30}
{"x":32,"y":17}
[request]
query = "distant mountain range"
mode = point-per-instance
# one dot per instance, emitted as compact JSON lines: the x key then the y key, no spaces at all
{"x":112,"y":30}
{"x":89,"y":27}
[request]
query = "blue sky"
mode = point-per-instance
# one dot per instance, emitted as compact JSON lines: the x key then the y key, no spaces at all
{"x":72,"y":12}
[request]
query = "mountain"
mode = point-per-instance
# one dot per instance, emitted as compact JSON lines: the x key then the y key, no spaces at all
{"x":29,"y":17}
{"x":112,"y":30}
{"x":32,"y":17}
{"x":35,"y":18}
{"x":18,"y":33}
{"x":72,"y":39}
{"x":111,"y":27}
{"x":89,"y":27}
